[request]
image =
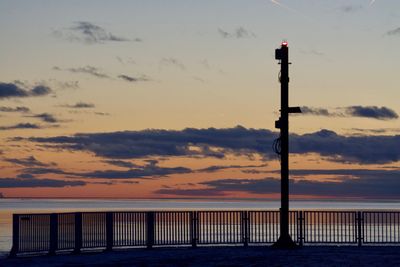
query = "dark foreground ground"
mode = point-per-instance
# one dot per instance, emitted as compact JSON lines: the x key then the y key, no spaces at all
{"x":222,"y":256}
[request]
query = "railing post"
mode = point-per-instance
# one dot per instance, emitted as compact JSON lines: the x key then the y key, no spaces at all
{"x":15,"y":237}
{"x":245,"y":228}
{"x":300,"y":227}
{"x":359,"y":228}
{"x":53,"y":233}
{"x":193,"y":228}
{"x":109,"y":231}
{"x":78,"y":232}
{"x":150,"y":229}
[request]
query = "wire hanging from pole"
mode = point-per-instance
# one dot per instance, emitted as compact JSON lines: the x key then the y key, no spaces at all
{"x":276,"y":146}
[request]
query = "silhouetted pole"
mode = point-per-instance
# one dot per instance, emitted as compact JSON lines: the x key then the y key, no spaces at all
{"x":282,"y":147}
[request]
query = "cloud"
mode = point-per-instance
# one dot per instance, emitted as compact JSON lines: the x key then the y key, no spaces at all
{"x":215,"y":168}
{"x":67,"y":85}
{"x":79,"y":105}
{"x":121,"y":163}
{"x":46,"y":117}
{"x":90,"y":70}
{"x":360,"y":183}
{"x":40,"y":90}
{"x":15,"y":109}
{"x":128,"y":60}
{"x":370,"y":183}
{"x":43,"y":170}
{"x":349,"y":149}
{"x":133,"y":79}
{"x":32,"y":183}
{"x":394,"y":32}
{"x":96,"y":72}
{"x":25,"y":176}
{"x":217,"y":143}
{"x":21,"y":126}
{"x":373,"y":131}
{"x":315,"y":111}
{"x":145,"y":172}
{"x":89,"y":33}
{"x":372,"y":112}
{"x":149,"y":171}
{"x":102,"y":114}
{"x":350,"y":8}
{"x":380,"y":113}
{"x":238,"y":33}
{"x":139,"y":144}
{"x":28,"y":162}
{"x":11,"y":90}
{"x":172,"y":62}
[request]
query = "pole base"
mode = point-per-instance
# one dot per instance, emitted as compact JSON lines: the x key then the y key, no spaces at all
{"x":285,"y":242}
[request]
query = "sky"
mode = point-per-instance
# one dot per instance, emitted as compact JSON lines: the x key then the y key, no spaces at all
{"x":178,"y":99}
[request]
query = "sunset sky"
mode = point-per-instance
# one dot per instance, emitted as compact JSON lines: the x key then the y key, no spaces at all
{"x":178,"y":98}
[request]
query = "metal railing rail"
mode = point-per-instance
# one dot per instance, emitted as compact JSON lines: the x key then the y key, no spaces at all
{"x":52,"y":232}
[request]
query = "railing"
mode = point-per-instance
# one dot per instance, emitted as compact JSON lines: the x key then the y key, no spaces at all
{"x":87,"y":230}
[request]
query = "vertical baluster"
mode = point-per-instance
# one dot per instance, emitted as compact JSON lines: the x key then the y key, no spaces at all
{"x":271,"y":229}
{"x":109,"y":231}
{"x":15,"y":238}
{"x":150,"y":229}
{"x":78,"y":232}
{"x":53,"y":233}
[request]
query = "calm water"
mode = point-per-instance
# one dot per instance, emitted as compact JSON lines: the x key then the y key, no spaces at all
{"x":10,"y":206}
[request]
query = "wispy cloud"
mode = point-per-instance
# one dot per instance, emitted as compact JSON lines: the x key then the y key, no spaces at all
{"x":121,"y":163}
{"x":149,"y":171}
{"x":350,"y":8}
{"x":21,"y":126}
{"x":315,"y":111}
{"x":89,"y":33}
{"x":90,"y":70}
{"x":28,"y":162}
{"x":80,"y":105}
{"x":238,"y":33}
{"x":394,"y":32}
{"x":102,"y":113}
{"x":15,"y":109}
{"x":215,"y":168}
{"x":98,"y":73}
{"x":133,"y":79}
{"x":46,"y":117}
{"x":173,"y":62}
{"x":66,"y":85}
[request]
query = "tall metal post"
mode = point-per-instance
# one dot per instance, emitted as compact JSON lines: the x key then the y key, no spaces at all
{"x":282,"y":54}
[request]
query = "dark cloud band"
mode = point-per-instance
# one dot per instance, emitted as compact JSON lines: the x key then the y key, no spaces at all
{"x":217,"y":143}
{"x":372,"y":112}
{"x":11,"y":90}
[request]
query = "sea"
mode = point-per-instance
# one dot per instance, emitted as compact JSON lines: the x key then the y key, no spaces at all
{"x":10,"y":206}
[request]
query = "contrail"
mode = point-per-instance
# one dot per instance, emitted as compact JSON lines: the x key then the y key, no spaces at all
{"x":283,"y":6}
{"x":276,"y":2}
